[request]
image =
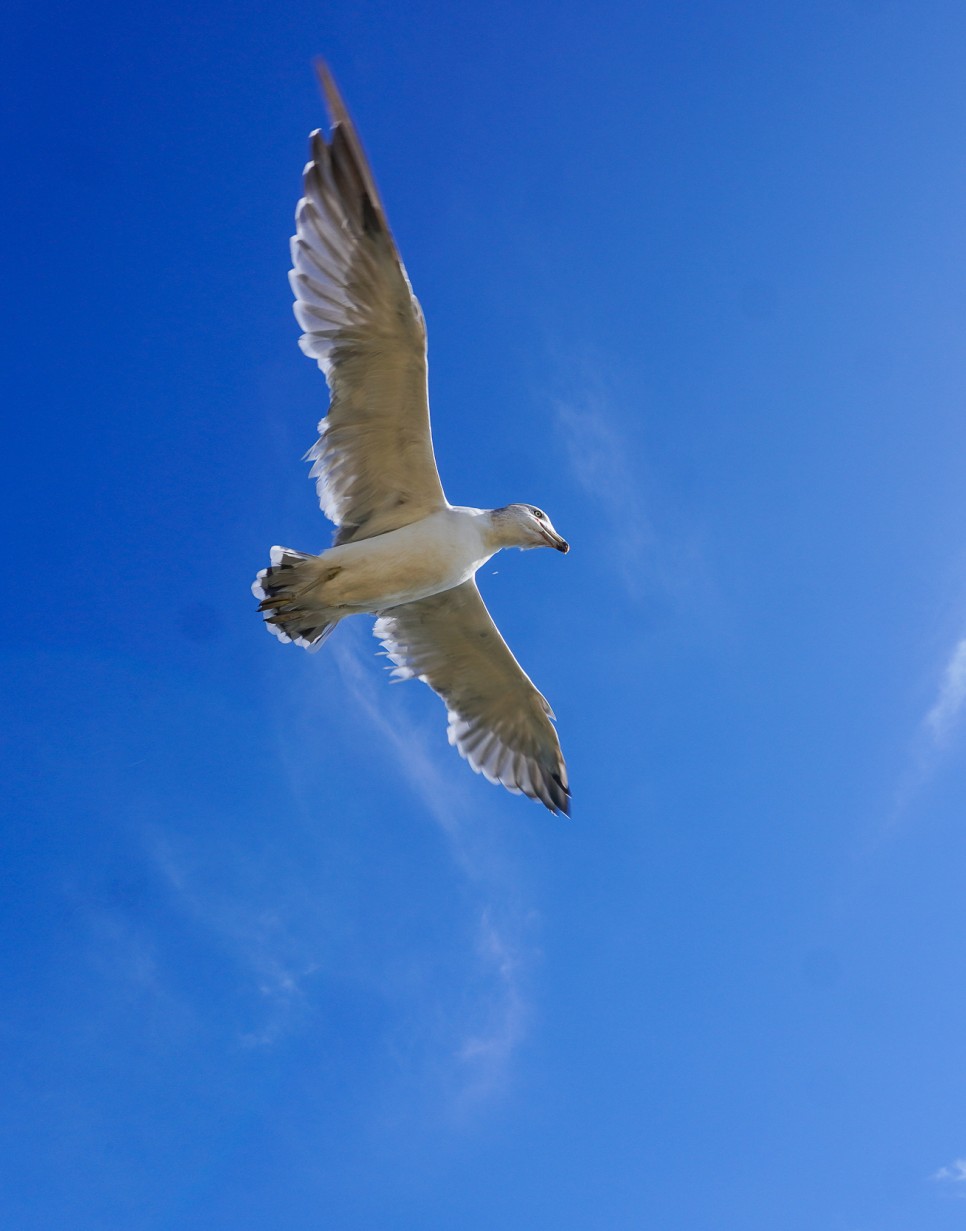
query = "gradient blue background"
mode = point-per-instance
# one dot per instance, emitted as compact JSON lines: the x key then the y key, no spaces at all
{"x":695,"y":280}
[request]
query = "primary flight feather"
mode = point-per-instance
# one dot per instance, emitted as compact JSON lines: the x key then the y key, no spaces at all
{"x":402,"y":552}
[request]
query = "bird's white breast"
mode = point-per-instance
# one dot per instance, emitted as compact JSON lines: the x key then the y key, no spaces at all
{"x":439,"y":552}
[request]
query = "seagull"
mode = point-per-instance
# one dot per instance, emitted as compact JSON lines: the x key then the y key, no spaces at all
{"x":401,"y":551}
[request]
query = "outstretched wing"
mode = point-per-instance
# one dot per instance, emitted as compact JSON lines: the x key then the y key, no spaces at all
{"x":497,"y":719}
{"x":374,"y":460}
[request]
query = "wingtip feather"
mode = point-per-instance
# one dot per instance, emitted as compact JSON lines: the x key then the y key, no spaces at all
{"x":330,"y":92}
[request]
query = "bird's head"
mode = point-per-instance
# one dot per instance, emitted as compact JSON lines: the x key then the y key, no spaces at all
{"x":524,"y":526}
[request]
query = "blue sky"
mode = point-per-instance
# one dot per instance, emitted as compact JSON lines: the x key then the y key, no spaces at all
{"x":695,"y":282}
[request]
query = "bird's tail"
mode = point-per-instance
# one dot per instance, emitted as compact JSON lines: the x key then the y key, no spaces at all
{"x":288,"y":593}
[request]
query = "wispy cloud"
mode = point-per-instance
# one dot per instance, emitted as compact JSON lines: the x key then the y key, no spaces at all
{"x":955,"y":1172}
{"x":296,"y":916}
{"x":418,"y":765}
{"x":487,"y":1049}
{"x":934,"y":731}
{"x":651,"y":555}
{"x":598,"y":455}
{"x":277,"y":954}
{"x":943,"y":715}
{"x":489,"y":1028}
{"x":952,"y":1178}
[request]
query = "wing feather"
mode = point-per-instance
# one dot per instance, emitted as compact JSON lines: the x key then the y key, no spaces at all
{"x":497,"y":719}
{"x":373,"y":462}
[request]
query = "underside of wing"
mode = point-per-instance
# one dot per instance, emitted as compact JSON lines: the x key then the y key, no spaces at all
{"x":373,"y":462}
{"x":497,"y":719}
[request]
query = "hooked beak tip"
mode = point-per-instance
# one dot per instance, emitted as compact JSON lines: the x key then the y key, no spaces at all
{"x":563,"y":546}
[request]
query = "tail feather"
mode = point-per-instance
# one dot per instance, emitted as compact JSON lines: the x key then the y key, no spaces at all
{"x":284,"y":591}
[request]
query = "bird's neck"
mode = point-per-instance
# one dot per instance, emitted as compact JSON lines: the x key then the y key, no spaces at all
{"x":501,"y":529}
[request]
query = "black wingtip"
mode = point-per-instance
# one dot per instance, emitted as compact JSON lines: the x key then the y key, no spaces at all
{"x":560,"y":797}
{"x":371,"y":222}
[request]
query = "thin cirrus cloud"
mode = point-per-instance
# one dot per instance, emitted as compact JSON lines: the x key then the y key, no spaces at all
{"x":279,"y":954}
{"x":413,"y":758}
{"x":489,"y":1029}
{"x":953,"y":1173}
{"x":598,"y":457}
{"x":607,"y":466}
{"x":935,"y":729}
{"x":487,"y":1051}
{"x":942,"y":717}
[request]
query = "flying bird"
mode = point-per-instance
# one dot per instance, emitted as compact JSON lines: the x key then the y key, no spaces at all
{"x":401,"y":551}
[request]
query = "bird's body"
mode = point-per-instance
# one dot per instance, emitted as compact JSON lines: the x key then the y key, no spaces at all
{"x":433,"y":554}
{"x":402,"y":551}
{"x":436,"y":553}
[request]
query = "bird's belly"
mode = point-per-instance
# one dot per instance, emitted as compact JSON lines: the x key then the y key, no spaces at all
{"x":397,"y":568}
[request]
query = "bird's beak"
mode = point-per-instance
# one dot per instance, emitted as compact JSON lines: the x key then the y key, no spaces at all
{"x":554,"y":540}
